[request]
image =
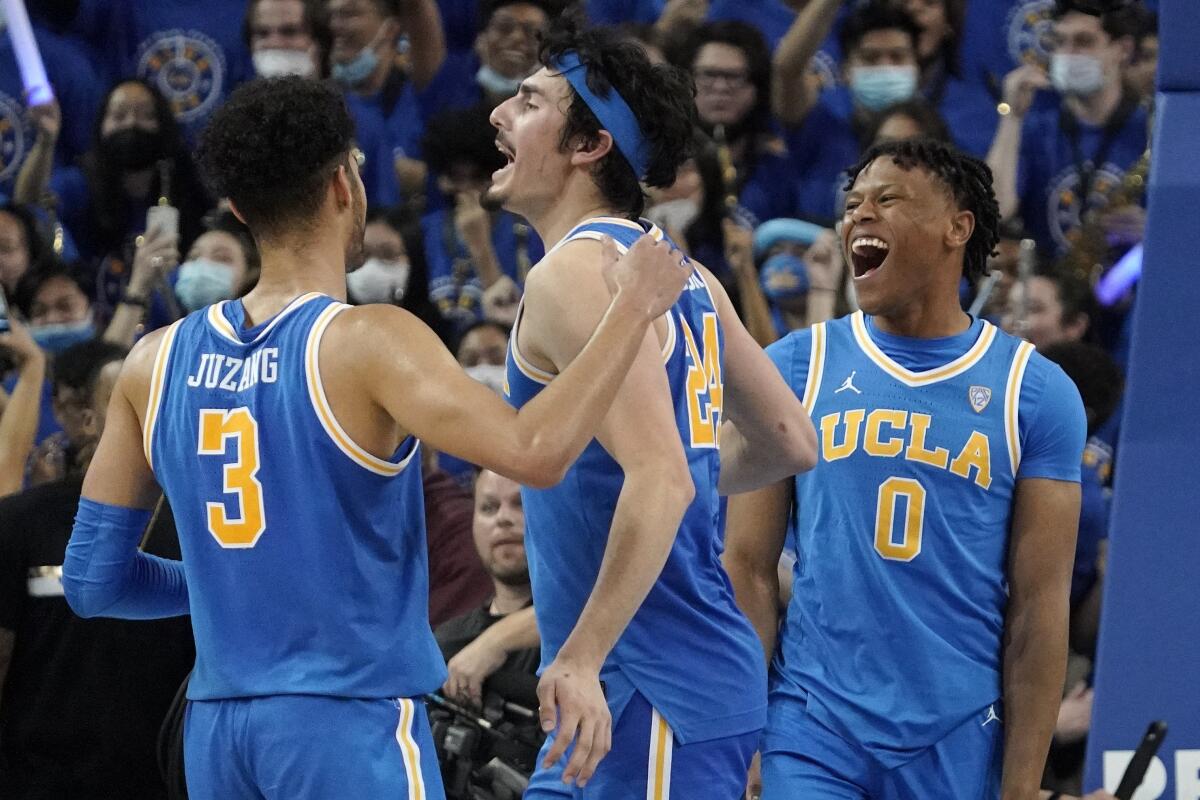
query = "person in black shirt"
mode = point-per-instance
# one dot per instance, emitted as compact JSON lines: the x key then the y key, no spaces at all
{"x":499,"y":529}
{"x":81,"y":701}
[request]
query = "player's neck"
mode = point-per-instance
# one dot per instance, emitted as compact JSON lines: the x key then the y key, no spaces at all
{"x":557,"y":219}
{"x":290,"y":271}
{"x":925,"y":319}
{"x":1099,"y":107}
{"x":509,"y":598}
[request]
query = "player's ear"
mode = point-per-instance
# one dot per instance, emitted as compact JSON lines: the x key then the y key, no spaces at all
{"x":343,"y":192}
{"x":589,"y":151}
{"x":962,"y":225}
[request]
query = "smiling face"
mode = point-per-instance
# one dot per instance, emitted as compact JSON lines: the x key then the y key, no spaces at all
{"x":529,"y":133}
{"x":509,"y":42}
{"x":904,"y":238}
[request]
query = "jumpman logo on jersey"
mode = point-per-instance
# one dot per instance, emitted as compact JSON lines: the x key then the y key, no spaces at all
{"x":992,"y":716}
{"x":848,"y":384}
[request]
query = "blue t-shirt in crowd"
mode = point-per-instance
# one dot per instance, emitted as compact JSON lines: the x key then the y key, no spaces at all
{"x":453,"y":87}
{"x":823,"y":145}
{"x":395,"y":114}
{"x":771,"y":189}
{"x":903,"y":527}
{"x":1049,"y":169}
{"x":454,"y":286}
{"x":193,"y":52}
{"x":379,"y":172}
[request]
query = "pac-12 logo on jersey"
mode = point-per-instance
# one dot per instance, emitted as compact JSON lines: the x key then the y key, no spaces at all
{"x":187,"y":67}
{"x":980,"y":396}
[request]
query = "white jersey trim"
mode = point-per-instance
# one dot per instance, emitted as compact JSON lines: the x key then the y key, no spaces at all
{"x":158,"y":382}
{"x":324,"y":412}
{"x":1012,"y":403}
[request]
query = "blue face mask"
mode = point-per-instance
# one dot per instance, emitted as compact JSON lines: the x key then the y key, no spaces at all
{"x":203,"y":282}
{"x":58,"y":336}
{"x":876,"y":88}
{"x":357,"y":69}
{"x":784,"y":276}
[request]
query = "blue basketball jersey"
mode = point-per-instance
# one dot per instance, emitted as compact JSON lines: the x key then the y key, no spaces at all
{"x":894,"y":631}
{"x":305,"y":555}
{"x":688,"y":649}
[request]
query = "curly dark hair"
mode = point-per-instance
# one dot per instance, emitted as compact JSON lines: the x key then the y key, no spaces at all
{"x":967,"y":178}
{"x":661,"y":96}
{"x":750,"y":42}
{"x":272,"y":148}
{"x":878,"y":15}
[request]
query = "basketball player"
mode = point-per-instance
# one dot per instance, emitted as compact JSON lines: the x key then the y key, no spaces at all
{"x":624,"y":554}
{"x":283,"y":428}
{"x":922,"y":655}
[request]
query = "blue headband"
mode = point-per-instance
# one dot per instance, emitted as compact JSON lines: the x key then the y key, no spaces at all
{"x":613,"y":112}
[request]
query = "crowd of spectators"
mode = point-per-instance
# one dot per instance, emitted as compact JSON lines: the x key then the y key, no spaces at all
{"x":107,"y":231}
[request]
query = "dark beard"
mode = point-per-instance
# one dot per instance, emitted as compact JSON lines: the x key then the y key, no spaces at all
{"x":515,"y":578}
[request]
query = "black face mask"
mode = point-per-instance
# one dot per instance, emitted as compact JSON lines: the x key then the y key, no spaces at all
{"x":132,"y":149}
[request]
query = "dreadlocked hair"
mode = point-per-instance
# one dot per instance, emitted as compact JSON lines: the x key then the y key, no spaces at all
{"x":968,"y":180}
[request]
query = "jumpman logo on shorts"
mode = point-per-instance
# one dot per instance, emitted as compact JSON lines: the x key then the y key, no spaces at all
{"x":848,"y":384}
{"x":991,"y":717}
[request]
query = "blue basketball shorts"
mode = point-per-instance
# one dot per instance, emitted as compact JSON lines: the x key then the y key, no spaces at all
{"x":801,"y":757}
{"x":293,"y":746}
{"x":647,"y":762}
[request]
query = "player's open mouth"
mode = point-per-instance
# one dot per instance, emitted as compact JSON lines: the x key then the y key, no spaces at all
{"x":867,"y":255}
{"x":509,"y":157}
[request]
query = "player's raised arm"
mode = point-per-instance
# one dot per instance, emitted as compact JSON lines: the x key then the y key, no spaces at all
{"x":766,"y":434}
{"x":104,"y":573}
{"x":428,"y":394}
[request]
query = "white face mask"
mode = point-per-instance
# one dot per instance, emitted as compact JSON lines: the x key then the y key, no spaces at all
{"x":490,"y":375}
{"x":275,"y":62}
{"x":1076,"y":73}
{"x":379,"y":281}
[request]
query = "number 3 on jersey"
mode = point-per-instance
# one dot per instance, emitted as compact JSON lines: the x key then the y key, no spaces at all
{"x":705,"y":391}
{"x":217,"y":427}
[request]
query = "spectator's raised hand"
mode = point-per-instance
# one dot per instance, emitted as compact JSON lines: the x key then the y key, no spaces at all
{"x":19,"y":345}
{"x":156,"y":253}
{"x":682,"y":14}
{"x":826,"y":267}
{"x":650,"y":275}
{"x":1020,"y":86}
{"x":47,"y":119}
{"x":471,"y":219}
{"x":500,"y":301}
